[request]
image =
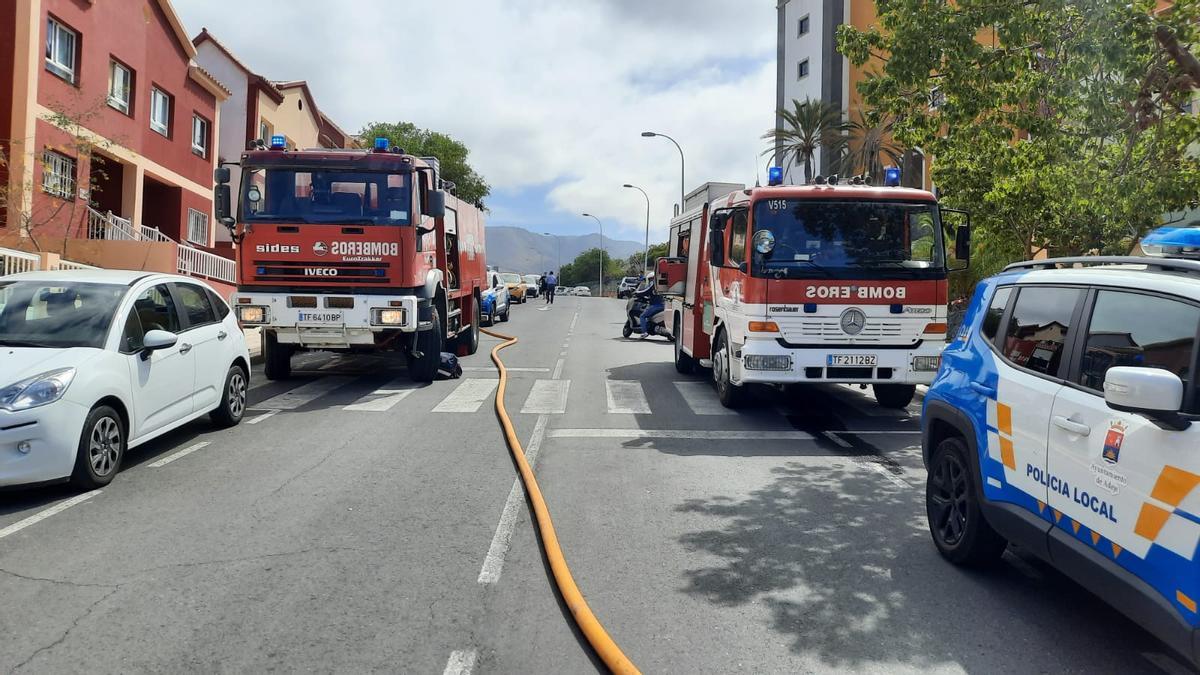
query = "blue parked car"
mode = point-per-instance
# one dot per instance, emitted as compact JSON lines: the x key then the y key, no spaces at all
{"x":495,"y":304}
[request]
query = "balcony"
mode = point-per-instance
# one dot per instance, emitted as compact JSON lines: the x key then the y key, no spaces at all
{"x":187,"y":258}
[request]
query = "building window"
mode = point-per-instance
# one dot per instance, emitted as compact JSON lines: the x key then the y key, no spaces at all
{"x":264,"y":131}
{"x":802,"y":69}
{"x":120,"y":85}
{"x":58,"y":174}
{"x":200,"y":135}
{"x":197,"y":227}
{"x":802,"y":26}
{"x":61,"y":45}
{"x":160,"y":111}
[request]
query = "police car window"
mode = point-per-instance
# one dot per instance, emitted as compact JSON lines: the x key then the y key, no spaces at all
{"x":1132,"y":329}
{"x":1038,"y":329}
{"x":995,"y":312}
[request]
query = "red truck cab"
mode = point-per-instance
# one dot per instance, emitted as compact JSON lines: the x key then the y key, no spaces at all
{"x":353,"y":251}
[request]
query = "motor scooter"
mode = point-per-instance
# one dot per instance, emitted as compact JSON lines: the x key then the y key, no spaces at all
{"x":633,"y":319}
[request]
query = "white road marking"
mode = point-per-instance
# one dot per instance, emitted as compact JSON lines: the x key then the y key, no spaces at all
{"x":178,"y":455}
{"x":544,"y":309}
{"x":548,"y":397}
{"x":882,"y":471}
{"x":837,"y":440}
{"x":510,"y":369}
{"x":462,"y":662}
{"x":573,"y":320}
{"x":46,"y":513}
{"x":256,"y":420}
{"x":558,"y":368}
{"x":468,"y":396}
{"x":626,"y":398}
{"x":493,"y":563}
{"x":384,"y":398}
{"x":684,"y":434}
{"x":702,"y":399}
{"x":303,"y":395}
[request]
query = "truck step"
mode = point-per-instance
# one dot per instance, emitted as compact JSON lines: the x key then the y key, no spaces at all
{"x":454,"y":313}
{"x":705,"y":363}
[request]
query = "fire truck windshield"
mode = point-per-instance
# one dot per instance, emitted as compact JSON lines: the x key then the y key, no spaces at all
{"x":296,"y":195}
{"x":849,"y":239}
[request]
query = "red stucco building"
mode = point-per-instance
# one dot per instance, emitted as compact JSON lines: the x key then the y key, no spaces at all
{"x":109,"y":114}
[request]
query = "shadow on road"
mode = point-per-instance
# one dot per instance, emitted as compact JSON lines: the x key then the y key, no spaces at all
{"x":844,"y":566}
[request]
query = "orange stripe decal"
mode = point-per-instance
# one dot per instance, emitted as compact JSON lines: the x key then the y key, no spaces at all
{"x":1150,"y":521}
{"x":1095,"y":538}
{"x":1041,"y":506}
{"x":1075,"y":526}
{"x":1186,"y":601}
{"x":1006,"y":453}
{"x":1173,"y":485}
{"x":1116,"y":550}
{"x":1004,"y":419}
{"x":1057,"y":514}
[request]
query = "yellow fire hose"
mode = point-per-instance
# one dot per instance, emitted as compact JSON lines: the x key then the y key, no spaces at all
{"x":608,"y":650}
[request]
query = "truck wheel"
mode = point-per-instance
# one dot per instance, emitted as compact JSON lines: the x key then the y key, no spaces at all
{"x":960,"y":532}
{"x":507,"y":309}
{"x":730,"y":395}
{"x":684,"y":364}
{"x":894,"y":395}
{"x":472,"y":337}
{"x":429,"y":343}
{"x":277,"y":358}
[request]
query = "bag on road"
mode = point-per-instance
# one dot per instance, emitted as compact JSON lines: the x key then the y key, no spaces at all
{"x":449,"y":369}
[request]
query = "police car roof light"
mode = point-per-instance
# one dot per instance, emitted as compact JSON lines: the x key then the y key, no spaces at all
{"x":1173,"y":242}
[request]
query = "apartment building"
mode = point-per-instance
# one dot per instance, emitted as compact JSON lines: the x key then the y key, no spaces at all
{"x":109,"y":135}
{"x":260,"y":108}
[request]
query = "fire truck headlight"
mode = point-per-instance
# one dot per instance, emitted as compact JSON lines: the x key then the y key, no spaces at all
{"x":767,"y":362}
{"x":387,"y":317}
{"x":764,"y":241}
{"x":926,"y":364}
{"x":249,"y":314}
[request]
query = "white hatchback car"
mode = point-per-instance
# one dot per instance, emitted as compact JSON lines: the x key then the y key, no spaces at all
{"x":95,"y":362}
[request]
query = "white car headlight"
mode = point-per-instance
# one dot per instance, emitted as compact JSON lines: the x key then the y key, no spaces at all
{"x":37,"y":390}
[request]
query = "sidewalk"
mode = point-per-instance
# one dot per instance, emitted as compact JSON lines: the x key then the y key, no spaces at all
{"x":254,"y":343}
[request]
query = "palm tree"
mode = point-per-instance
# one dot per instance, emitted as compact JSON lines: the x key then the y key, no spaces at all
{"x":870,"y":143}
{"x":809,"y":125}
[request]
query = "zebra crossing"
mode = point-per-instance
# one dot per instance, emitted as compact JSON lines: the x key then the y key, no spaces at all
{"x":545,"y":396}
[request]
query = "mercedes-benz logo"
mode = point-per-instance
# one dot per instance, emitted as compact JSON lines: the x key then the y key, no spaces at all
{"x":853,"y":321}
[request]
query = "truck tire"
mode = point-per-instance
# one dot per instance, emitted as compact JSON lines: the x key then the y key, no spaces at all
{"x":469,"y":341}
{"x":730,"y":395}
{"x":277,"y":358}
{"x":684,"y":364}
{"x":896,"y":396}
{"x":959,"y":530}
{"x":429,"y":343}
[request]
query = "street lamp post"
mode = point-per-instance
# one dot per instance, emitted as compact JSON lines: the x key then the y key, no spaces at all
{"x":558,"y":243}
{"x":646,"y":250}
{"x":588,"y":215}
{"x":682,"y":166}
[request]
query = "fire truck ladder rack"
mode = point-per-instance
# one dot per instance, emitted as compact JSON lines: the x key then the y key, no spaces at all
{"x":1157,"y":264}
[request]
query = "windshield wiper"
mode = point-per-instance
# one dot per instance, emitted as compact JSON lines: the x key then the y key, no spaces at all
{"x":24,"y":343}
{"x":824,"y":270}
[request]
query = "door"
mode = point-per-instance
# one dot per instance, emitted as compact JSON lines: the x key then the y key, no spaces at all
{"x":208,"y":338}
{"x":1033,"y":344}
{"x":1127,"y":486}
{"x":161,"y":381}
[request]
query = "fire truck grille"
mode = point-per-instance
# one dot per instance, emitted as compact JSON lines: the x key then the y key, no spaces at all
{"x":829,"y":331}
{"x":322,"y":272}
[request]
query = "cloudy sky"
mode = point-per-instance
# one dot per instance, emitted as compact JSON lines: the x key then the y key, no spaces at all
{"x":551,"y":96}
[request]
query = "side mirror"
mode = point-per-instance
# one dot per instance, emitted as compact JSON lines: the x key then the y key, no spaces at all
{"x":962,"y":243}
{"x":222,"y":202}
{"x":716,"y":247}
{"x":670,"y":275}
{"x":221,"y":175}
{"x":1154,"y":393}
{"x":435,"y":204}
{"x":962,"y":237}
{"x":155,"y":340}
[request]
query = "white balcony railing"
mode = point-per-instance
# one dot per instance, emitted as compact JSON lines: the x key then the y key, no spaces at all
{"x":15,"y":262}
{"x":69,"y":265}
{"x":204,"y":264}
{"x":110,"y":227}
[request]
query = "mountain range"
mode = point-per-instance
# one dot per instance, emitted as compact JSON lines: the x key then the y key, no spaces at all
{"x":515,"y":249}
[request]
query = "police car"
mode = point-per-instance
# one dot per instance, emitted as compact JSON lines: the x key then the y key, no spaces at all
{"x":1065,"y":418}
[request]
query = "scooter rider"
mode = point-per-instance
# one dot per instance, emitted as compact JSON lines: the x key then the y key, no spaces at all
{"x":646,"y":292}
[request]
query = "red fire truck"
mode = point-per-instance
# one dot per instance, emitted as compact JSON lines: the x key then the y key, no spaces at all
{"x":353,"y":251}
{"x":807,"y":284}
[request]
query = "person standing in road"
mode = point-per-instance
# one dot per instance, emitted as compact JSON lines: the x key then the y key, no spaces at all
{"x":542,"y":285}
{"x":551,"y":283}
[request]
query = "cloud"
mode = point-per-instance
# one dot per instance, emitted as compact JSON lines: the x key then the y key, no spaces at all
{"x":547,"y":94}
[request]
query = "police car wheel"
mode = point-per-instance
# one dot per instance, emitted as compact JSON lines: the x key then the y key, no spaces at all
{"x":957,"y":525}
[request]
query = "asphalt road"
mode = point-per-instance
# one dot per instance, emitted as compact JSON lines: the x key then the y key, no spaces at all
{"x":355,"y":522}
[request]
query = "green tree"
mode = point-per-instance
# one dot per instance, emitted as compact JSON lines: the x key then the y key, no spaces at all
{"x":871,"y":146}
{"x":809,"y":125}
{"x":1058,"y":123}
{"x":585,"y":269}
{"x":451,"y":154}
{"x":633,"y":264}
